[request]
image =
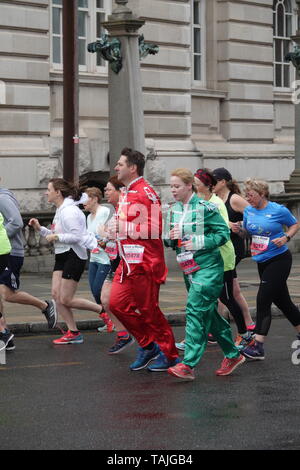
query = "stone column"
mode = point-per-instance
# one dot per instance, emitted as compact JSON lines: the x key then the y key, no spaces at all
{"x":293,"y":185}
{"x":126,"y":115}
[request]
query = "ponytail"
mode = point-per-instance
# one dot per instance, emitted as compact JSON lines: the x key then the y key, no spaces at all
{"x":67,"y":188}
{"x":233,"y":186}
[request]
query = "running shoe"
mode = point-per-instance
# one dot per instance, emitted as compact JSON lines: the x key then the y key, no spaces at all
{"x":70,"y":338}
{"x":5,"y":337}
{"x":241,"y":342}
{"x":228,"y":365}
{"x":181,"y":345}
{"x":144,"y":356}
{"x":10,"y":346}
{"x":108,"y":327}
{"x":182,"y":371}
{"x":211,"y":339}
{"x":121,"y":344}
{"x":255,"y":351}
{"x":162,"y":363}
{"x":50,"y":313}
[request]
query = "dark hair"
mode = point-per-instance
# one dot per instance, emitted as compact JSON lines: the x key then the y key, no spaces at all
{"x":117,"y":184}
{"x":223,"y":174}
{"x":233,"y":187}
{"x":134,"y":157}
{"x":66,"y":188}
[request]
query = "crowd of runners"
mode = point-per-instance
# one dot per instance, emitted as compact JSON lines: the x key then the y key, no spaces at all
{"x":206,"y":225}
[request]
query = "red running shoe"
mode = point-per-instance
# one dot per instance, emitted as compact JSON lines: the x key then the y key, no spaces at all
{"x":70,"y":338}
{"x":182,"y":371}
{"x":228,"y":365}
{"x":109,"y":327}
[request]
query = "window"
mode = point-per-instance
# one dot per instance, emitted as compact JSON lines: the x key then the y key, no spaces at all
{"x":284,"y":26}
{"x":198,"y":41}
{"x":91,"y":14}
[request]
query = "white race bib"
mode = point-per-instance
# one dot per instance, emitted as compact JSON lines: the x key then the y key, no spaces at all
{"x":259,"y":244}
{"x":187,"y":262}
{"x":134,"y":253}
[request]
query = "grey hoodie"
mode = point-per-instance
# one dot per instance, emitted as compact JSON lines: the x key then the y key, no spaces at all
{"x":9,"y":208}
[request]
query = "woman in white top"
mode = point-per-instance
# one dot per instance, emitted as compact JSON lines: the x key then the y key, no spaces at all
{"x":71,"y":240}
{"x":99,"y":265}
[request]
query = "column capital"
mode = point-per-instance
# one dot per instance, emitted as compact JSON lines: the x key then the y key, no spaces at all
{"x":123,"y":26}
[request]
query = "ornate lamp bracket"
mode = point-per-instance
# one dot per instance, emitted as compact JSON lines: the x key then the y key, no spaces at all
{"x":110,"y":50}
{"x":145,"y":48}
{"x":294,"y":57}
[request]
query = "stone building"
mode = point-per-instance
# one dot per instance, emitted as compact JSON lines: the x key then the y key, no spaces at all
{"x":217,"y":94}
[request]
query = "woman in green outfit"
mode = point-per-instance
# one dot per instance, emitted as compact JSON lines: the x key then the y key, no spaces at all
{"x":204,"y":183}
{"x":5,"y":248}
{"x":195,"y":229}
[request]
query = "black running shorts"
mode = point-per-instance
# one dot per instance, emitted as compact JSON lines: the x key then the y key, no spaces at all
{"x":70,"y":264}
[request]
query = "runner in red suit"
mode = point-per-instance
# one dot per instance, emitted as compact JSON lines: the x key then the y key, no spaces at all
{"x":135,"y":291}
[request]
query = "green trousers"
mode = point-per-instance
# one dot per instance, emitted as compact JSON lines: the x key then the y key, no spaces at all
{"x":202,"y":317}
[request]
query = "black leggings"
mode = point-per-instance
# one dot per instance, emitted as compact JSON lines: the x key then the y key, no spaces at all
{"x":228,"y":299}
{"x":273,"y":289}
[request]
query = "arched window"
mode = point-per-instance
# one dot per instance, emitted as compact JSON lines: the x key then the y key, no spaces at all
{"x":198,"y":44}
{"x":284,"y":26}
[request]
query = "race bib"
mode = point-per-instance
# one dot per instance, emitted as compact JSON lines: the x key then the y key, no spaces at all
{"x":187,"y":262}
{"x":259,"y":244}
{"x":111,"y":249}
{"x":134,"y":253}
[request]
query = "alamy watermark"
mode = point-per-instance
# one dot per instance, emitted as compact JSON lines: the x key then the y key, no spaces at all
{"x":2,"y":353}
{"x":296,"y":354}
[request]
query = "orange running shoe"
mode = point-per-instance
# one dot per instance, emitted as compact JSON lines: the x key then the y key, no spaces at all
{"x":109,"y":327}
{"x":182,"y":371}
{"x":228,"y":365}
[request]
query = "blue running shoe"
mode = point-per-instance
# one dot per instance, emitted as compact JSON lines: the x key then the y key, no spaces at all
{"x":120,"y":344}
{"x":254,"y":351}
{"x":144,"y":356}
{"x":162,"y":363}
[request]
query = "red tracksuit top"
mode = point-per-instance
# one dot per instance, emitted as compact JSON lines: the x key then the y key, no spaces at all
{"x":140,"y":223}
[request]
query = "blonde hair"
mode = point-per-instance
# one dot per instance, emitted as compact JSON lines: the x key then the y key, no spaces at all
{"x":260,"y":186}
{"x":184,"y":174}
{"x":94,"y":192}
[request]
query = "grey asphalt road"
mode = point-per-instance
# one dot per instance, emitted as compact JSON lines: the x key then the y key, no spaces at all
{"x":78,"y":397}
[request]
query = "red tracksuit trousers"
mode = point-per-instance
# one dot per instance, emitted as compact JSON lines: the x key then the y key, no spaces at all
{"x":134,"y":302}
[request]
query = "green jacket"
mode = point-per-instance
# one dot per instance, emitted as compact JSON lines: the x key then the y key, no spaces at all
{"x":202,"y":221}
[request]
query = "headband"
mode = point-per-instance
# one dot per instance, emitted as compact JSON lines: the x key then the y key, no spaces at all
{"x":204,"y":177}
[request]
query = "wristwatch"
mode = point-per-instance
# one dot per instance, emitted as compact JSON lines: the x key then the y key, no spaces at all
{"x":287,"y":237}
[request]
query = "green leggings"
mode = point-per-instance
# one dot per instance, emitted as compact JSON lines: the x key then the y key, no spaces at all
{"x":202,"y":317}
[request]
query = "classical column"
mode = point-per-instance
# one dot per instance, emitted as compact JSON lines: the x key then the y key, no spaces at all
{"x":126,"y":114}
{"x":293,"y":185}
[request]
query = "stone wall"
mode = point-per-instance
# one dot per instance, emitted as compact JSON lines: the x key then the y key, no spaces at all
{"x":247,"y":126}
{"x":236,"y":120}
{"x":25,"y":106}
